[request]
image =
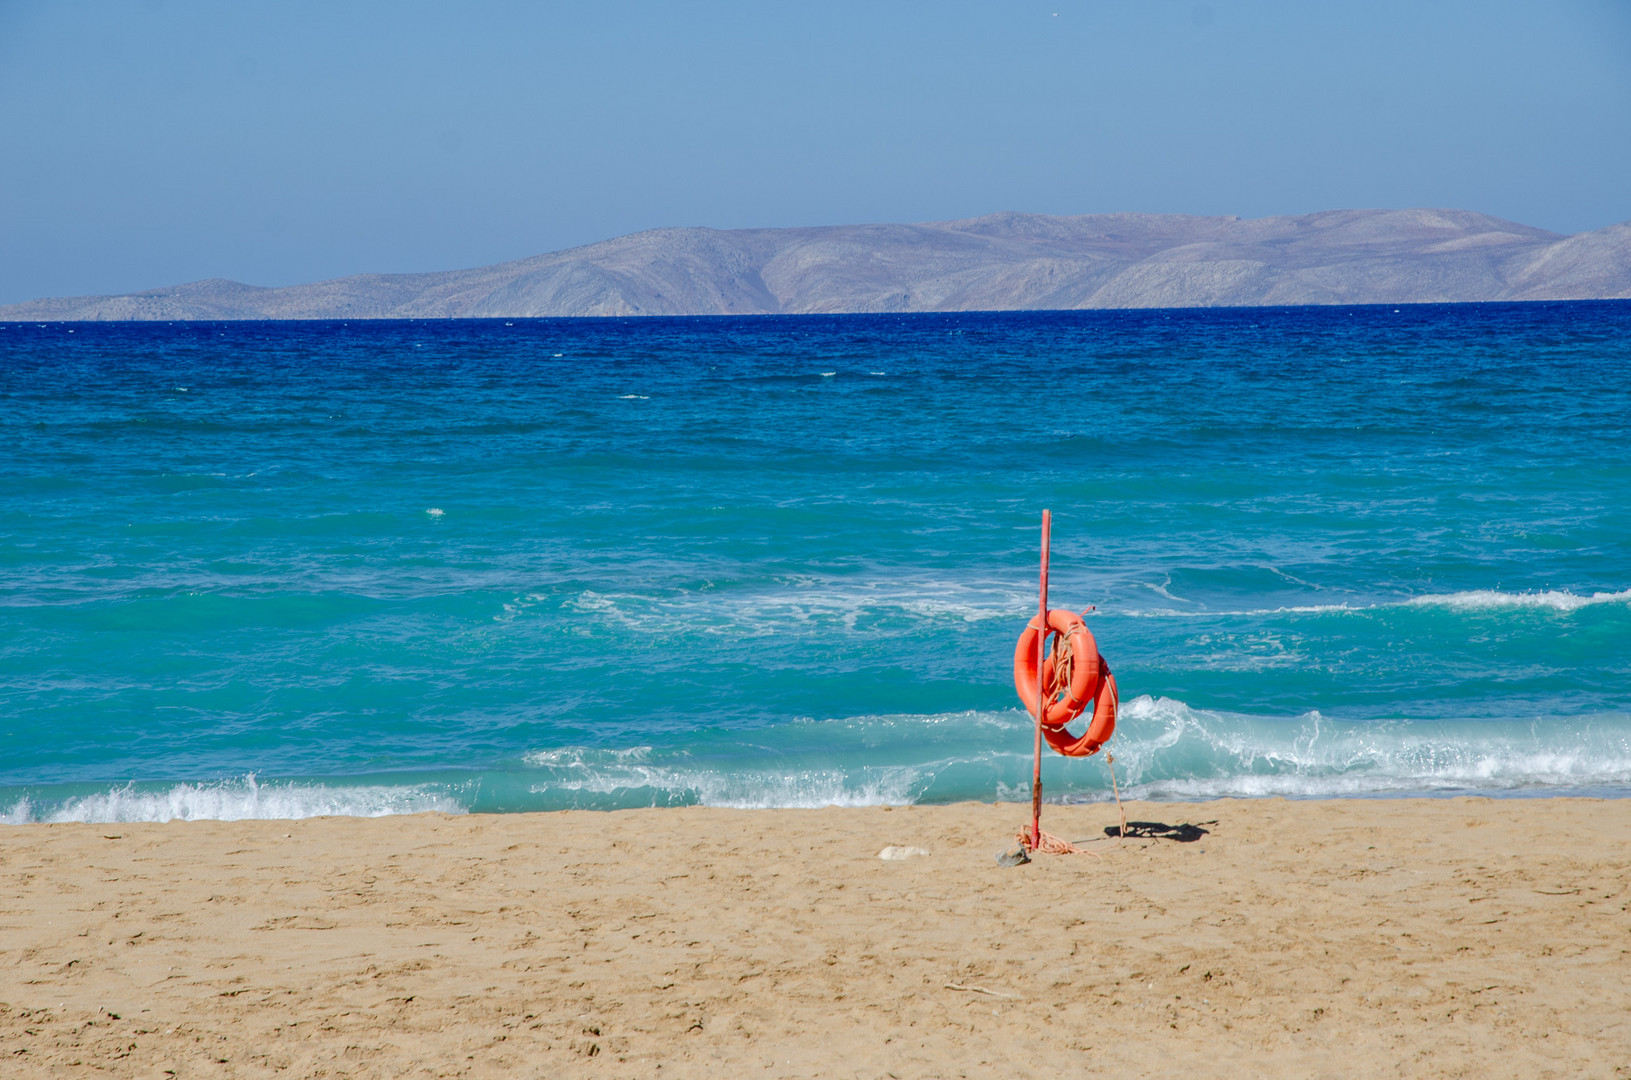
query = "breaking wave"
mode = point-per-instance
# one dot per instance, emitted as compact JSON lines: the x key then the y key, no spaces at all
{"x":238,"y":799}
{"x":1164,"y":749}
{"x":1172,"y":751}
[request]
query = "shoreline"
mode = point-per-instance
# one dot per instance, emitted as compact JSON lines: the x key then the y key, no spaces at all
{"x":251,"y":797}
{"x":1417,"y":937}
{"x":157,"y":789}
{"x":1609,"y":795}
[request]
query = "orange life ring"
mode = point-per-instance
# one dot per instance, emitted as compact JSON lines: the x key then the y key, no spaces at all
{"x":1064,"y":704}
{"x":1098,"y":731}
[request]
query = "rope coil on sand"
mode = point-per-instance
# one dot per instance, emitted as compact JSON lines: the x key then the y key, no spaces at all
{"x":1049,"y":844}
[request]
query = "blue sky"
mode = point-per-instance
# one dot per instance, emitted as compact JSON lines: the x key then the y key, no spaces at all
{"x":150,"y":143}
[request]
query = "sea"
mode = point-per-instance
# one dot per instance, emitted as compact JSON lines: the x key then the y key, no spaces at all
{"x":281,"y":569}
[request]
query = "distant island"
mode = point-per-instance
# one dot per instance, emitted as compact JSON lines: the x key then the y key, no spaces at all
{"x":1000,"y":262}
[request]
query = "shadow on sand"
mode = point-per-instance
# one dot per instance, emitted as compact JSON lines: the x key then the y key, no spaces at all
{"x":1160,"y":830}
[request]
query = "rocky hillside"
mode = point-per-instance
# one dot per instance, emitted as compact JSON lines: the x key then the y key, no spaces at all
{"x":993,"y":263}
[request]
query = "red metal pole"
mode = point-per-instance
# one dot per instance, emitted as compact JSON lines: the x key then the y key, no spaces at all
{"x":1041,"y":693}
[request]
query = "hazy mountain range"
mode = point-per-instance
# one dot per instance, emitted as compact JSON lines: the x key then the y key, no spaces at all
{"x":999,"y":262}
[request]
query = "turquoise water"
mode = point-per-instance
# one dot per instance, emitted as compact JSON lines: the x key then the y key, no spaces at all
{"x":278,"y":569}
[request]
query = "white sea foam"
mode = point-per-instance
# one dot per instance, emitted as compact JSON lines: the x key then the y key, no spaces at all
{"x":856,"y":603}
{"x":1293,"y":609}
{"x":630,"y":777}
{"x":1473,"y":600}
{"x":805,"y":601}
{"x":1491,"y":599}
{"x":233,"y":800}
{"x":746,"y":790}
{"x":581,"y":757}
{"x":1162,"y":591}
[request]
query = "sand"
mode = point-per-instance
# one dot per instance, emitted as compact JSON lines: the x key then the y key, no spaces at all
{"x":1411,"y":938}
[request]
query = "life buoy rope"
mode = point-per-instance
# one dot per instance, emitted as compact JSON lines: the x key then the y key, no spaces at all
{"x":1098,"y":730}
{"x":1073,"y":675}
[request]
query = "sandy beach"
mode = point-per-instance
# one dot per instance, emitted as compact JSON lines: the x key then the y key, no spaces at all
{"x":1410,"y":938}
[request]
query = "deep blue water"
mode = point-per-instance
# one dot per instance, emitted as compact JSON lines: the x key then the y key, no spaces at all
{"x":287,"y":568}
